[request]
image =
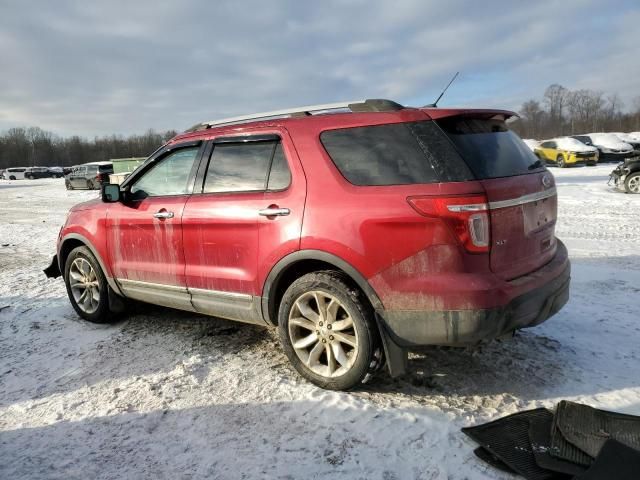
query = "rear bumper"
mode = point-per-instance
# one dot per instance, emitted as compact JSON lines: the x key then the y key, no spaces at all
{"x":409,"y":328}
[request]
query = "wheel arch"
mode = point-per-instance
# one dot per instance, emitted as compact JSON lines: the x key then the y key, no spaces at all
{"x":73,"y":240}
{"x":300,"y":263}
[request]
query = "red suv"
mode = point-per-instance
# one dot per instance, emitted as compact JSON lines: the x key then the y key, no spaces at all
{"x":360,"y":230}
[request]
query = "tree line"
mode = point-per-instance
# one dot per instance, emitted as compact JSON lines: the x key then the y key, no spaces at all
{"x":33,"y":146}
{"x":569,"y":112}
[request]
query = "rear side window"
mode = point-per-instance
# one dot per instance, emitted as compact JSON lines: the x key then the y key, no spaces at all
{"x":490,"y":149}
{"x":106,"y":168}
{"x":395,"y":154}
{"x":247,"y":167}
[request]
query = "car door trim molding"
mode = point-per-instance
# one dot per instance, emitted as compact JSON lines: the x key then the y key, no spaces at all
{"x":236,"y":306}
{"x":531,"y":197}
{"x":157,"y":293}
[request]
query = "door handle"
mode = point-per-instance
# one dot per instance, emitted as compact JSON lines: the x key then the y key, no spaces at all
{"x":274,"y":212}
{"x":163,"y":214}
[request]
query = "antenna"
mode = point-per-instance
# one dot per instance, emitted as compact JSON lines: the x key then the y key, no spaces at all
{"x":435,"y":104}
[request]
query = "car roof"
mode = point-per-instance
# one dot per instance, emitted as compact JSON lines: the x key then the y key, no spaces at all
{"x":327,"y":121}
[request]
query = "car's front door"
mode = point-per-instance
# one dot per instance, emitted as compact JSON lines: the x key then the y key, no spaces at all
{"x":145,"y":231}
{"x":247,"y":215}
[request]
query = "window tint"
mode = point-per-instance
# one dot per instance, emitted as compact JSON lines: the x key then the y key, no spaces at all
{"x":243,"y":167}
{"x":106,"y":168}
{"x":170,"y":176}
{"x":490,"y":149}
{"x":395,"y":154}
{"x":280,"y":176}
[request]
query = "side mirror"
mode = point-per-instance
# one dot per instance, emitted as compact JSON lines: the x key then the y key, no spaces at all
{"x":110,"y":193}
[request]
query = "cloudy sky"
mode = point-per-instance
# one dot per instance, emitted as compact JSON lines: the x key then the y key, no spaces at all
{"x":101,"y":67}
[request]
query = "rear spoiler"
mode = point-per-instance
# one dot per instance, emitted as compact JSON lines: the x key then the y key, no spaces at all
{"x":436,"y":113}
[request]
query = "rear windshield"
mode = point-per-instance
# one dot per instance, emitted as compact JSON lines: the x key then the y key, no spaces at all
{"x":106,"y":168}
{"x":395,"y":154}
{"x":490,"y":149}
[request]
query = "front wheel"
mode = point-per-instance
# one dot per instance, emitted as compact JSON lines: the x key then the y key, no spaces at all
{"x":632,"y":183}
{"x":327,"y":331}
{"x":560,"y":161}
{"x":87,"y":286}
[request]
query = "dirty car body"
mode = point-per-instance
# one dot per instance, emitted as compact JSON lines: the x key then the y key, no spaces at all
{"x":439,"y":222}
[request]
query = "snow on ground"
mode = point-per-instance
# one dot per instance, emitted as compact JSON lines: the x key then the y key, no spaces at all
{"x":166,"y":394}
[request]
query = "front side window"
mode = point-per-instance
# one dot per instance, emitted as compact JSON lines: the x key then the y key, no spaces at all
{"x":246,"y":167}
{"x":170,"y":176}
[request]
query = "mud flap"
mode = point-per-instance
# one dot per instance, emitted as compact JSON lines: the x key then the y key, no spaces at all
{"x":53,"y":270}
{"x":397,"y":357}
{"x":116,"y":302}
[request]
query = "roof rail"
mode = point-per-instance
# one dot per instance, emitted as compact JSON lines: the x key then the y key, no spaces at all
{"x":370,"y":105}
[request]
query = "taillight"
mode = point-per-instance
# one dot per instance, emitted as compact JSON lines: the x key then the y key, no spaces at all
{"x":467,"y":216}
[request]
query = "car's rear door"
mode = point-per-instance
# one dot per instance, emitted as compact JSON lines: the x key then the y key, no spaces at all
{"x":145,"y":231}
{"x":246,"y":216}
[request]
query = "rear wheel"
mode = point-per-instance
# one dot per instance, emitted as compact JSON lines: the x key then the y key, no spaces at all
{"x":12,"y":177}
{"x":560,"y":161}
{"x":90,"y":185}
{"x":68,"y":186}
{"x":327,"y":331}
{"x":87,"y":286}
{"x":632,"y":183}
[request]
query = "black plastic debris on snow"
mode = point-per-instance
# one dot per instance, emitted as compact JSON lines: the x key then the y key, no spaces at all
{"x":540,"y":444}
{"x":615,"y":461}
{"x":540,"y":438}
{"x":589,"y":428}
{"x":508,"y":440}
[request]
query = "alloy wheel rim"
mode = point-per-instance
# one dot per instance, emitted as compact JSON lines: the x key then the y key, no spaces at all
{"x":323,"y":334}
{"x":634,"y":184}
{"x":84,"y":284}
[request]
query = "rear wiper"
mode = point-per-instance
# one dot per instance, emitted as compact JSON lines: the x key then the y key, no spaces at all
{"x":536,"y":164}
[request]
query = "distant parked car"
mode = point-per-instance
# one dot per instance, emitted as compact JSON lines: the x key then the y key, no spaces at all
{"x":630,"y":139}
{"x":531,"y":143}
{"x":89,"y":175}
{"x":565,"y":151}
{"x":14,"y":173}
{"x":37,"y":172}
{"x":56,"y":172}
{"x":609,"y":146}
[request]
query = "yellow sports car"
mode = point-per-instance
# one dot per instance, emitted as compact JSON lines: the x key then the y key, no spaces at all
{"x":565,"y":151}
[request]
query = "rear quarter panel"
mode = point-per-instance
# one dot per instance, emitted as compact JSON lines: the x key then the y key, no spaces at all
{"x":375,"y":229}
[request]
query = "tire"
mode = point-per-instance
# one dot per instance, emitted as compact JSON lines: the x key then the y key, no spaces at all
{"x":361,"y":353}
{"x":81,"y":269}
{"x":560,"y":161}
{"x":90,"y":185}
{"x":591,"y":164}
{"x":12,"y":177}
{"x":632,"y":183}
{"x":68,"y":186}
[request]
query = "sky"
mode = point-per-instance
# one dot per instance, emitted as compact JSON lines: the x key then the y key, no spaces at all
{"x":102,"y":67}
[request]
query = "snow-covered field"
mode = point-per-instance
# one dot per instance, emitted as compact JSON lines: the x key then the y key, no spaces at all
{"x":166,"y":394}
